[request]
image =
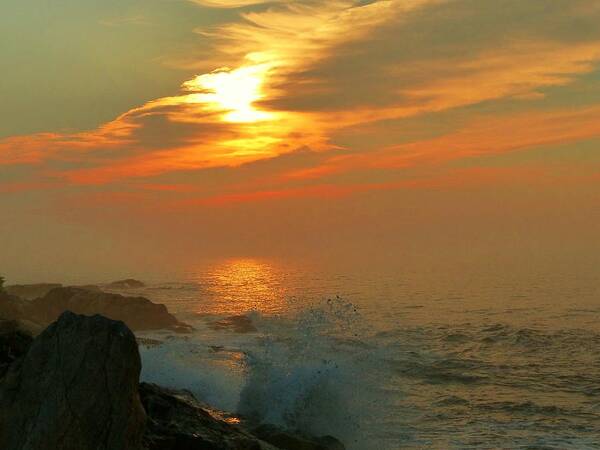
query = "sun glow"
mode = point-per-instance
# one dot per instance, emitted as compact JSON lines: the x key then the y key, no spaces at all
{"x":241,"y":285}
{"x":232,"y":91}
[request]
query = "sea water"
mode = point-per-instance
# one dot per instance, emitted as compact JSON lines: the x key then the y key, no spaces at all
{"x":462,"y":358}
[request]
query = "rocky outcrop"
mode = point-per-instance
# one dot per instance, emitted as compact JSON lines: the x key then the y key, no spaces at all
{"x":31,"y":291}
{"x":138,"y":313}
{"x":89,"y":287}
{"x":12,"y":307}
{"x":129,"y":283}
{"x":76,"y":388}
{"x":177,"y":421}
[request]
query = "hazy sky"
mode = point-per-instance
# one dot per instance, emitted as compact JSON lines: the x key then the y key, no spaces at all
{"x":147,"y":135}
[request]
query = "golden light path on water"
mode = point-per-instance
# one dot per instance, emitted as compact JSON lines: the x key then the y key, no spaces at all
{"x":241,"y":285}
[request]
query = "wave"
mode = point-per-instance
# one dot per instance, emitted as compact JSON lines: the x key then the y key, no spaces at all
{"x":311,"y":372}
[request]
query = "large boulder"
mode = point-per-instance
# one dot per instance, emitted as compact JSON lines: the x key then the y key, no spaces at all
{"x":138,"y":313}
{"x":31,"y":291}
{"x":76,"y":388}
{"x":177,"y":421}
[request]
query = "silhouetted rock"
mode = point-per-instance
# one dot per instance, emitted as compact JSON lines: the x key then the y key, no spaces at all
{"x":138,"y":313}
{"x":15,"y":340}
{"x":89,"y":287}
{"x":177,"y":421}
{"x":12,"y":307}
{"x":295,"y":441}
{"x":31,"y":291}
{"x":75,"y":389}
{"x":129,"y":283}
{"x":237,"y":324}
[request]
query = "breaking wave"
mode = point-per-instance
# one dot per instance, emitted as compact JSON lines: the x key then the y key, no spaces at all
{"x":310,"y":372}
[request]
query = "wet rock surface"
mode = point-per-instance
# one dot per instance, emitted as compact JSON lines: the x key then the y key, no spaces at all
{"x":177,"y":421}
{"x":76,"y":388}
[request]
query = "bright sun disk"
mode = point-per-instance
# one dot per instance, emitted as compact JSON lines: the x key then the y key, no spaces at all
{"x":233,"y":91}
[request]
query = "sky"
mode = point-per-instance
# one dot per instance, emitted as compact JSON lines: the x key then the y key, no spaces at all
{"x":144,"y":136}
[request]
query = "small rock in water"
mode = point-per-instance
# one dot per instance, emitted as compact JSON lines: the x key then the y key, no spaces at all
{"x":129,"y":283}
{"x":238,"y":324}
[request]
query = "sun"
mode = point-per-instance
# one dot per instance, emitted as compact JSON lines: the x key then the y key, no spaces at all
{"x":232,"y":91}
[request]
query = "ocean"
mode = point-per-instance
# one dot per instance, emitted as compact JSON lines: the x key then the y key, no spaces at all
{"x":460,"y":357}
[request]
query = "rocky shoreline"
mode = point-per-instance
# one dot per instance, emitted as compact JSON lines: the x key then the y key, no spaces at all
{"x":75,"y":384}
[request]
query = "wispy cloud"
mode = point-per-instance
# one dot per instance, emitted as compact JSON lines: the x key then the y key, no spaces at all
{"x":302,"y":75}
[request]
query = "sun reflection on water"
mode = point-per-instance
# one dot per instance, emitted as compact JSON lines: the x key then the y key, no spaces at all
{"x":243,"y":284}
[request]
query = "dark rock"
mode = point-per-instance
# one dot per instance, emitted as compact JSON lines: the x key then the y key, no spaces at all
{"x":138,"y":313}
{"x":238,"y":324}
{"x":177,"y":421}
{"x":89,"y":287}
{"x":15,"y":340}
{"x":129,"y":283}
{"x":12,"y":307}
{"x":295,"y":441}
{"x":31,"y":291}
{"x":75,"y":389}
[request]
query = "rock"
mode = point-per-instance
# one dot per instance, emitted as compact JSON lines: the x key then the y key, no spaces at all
{"x":12,"y":307}
{"x":177,"y":421}
{"x":15,"y":340}
{"x":30,"y":327}
{"x":129,"y":283}
{"x":238,"y":324}
{"x":89,"y":287}
{"x":295,"y":441}
{"x":138,"y":313}
{"x":31,"y":291}
{"x":75,"y":389}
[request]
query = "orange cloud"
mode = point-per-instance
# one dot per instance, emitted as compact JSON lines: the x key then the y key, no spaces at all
{"x":452,"y":178}
{"x":483,"y":136}
{"x":233,"y":116}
